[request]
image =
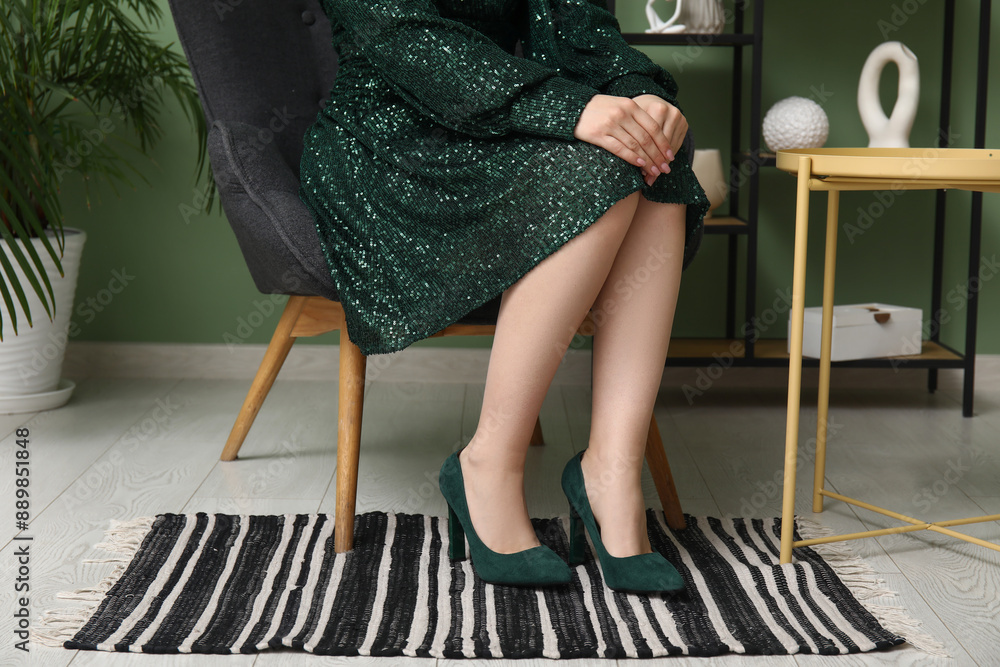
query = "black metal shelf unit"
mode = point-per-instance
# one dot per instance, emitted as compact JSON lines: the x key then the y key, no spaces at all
{"x":747,"y":349}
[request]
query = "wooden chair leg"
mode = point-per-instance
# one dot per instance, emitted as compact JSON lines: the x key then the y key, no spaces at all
{"x":659,"y":468}
{"x":350,"y":409}
{"x":536,"y":435}
{"x":274,"y":357}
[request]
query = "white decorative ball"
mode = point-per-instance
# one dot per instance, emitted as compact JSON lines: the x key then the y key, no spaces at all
{"x":795,"y":122}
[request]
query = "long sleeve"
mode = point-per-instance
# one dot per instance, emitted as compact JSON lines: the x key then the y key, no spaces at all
{"x":455,"y":74}
{"x":582,"y":41}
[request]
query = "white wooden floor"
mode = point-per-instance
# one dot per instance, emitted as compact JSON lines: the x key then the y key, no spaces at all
{"x":129,"y":445}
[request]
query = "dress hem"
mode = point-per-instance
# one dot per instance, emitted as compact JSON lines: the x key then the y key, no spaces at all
{"x":404,"y":342}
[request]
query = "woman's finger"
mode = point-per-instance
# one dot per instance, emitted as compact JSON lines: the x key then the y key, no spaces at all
{"x":676,"y":128}
{"x":655,"y":130}
{"x":619,"y":148}
{"x":680,"y":131}
{"x":636,"y":139}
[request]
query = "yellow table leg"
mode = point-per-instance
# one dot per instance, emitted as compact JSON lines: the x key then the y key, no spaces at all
{"x":823,"y":403}
{"x":795,"y":359}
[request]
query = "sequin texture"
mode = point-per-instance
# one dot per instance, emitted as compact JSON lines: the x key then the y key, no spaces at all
{"x":444,"y":167}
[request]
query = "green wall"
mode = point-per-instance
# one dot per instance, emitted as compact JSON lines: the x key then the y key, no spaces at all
{"x":187,"y":283}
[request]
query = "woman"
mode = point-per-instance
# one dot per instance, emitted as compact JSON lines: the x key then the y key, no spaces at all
{"x":446,"y":170}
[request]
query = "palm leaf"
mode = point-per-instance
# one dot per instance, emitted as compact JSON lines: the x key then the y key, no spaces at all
{"x":65,"y":67}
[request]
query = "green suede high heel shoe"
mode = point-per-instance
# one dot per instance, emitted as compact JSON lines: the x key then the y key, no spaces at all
{"x":537,"y":566}
{"x":645,"y":573}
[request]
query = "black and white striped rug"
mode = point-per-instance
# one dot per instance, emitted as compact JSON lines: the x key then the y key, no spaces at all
{"x":218,"y":583}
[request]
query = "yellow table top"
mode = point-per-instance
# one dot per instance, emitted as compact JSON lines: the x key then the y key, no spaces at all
{"x":954,"y":165}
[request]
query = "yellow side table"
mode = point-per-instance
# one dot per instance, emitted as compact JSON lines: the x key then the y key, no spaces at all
{"x":835,"y":170}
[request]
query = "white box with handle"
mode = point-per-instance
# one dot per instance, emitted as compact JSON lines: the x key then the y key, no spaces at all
{"x":864,"y":331}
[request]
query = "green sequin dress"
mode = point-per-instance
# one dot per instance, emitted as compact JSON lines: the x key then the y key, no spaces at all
{"x":444,"y":167}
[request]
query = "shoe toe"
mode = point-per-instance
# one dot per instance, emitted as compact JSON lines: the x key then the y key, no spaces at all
{"x":538,"y":566}
{"x":550,"y":566}
{"x":646,"y":573}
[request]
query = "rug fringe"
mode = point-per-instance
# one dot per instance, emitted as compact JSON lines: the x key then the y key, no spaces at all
{"x":55,"y":626}
{"x":865,"y":584}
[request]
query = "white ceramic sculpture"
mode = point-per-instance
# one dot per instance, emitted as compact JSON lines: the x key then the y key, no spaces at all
{"x":690,"y":16}
{"x":658,"y":25}
{"x":795,"y":122}
{"x":893,"y":131}
{"x":707,"y":166}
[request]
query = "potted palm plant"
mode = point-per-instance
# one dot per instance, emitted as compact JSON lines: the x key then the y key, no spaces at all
{"x":82,"y":83}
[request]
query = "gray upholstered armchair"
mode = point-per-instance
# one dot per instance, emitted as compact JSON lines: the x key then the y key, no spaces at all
{"x":264,"y":70}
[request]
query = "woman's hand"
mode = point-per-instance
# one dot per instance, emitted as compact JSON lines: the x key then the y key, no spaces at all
{"x":624,"y":127}
{"x":668,"y":117}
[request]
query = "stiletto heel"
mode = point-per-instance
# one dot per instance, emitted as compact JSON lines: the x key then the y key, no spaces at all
{"x":537,"y":566}
{"x":576,"y":538}
{"x":456,"y":537}
{"x":644,"y":573}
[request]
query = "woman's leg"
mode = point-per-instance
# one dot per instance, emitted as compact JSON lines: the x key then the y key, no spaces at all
{"x":539,"y":315}
{"x":633,"y":315}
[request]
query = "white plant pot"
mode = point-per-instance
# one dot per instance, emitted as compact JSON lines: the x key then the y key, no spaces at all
{"x":31,"y":360}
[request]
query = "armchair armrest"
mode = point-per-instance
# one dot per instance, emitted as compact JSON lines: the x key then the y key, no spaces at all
{"x":274,"y":229}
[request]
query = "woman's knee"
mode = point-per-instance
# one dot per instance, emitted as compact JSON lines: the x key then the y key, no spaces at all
{"x":651,"y":212}
{"x":624,"y":210}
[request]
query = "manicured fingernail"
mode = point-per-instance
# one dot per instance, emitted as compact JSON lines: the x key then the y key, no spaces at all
{"x":642,"y":163}
{"x":664,"y":167}
{"x":656,"y":172}
{"x":670,"y":154}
